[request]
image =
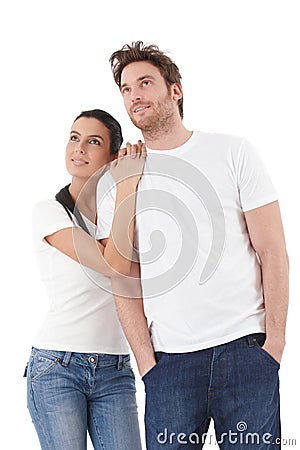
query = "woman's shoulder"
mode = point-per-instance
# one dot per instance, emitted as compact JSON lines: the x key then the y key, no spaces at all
{"x":49,"y":209}
{"x":48,"y":202}
{"x":48,"y":205}
{"x":48,"y":217}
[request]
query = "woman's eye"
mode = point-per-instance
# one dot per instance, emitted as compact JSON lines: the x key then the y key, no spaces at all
{"x":74,"y":138}
{"x":94,"y":142}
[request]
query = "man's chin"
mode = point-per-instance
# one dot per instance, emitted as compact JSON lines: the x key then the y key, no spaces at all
{"x":138,"y":123}
{"x":143,"y":125}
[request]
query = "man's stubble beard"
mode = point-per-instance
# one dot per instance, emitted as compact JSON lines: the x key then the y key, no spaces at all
{"x":162,"y":119}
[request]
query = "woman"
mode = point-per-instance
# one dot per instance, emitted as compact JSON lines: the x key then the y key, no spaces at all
{"x":79,"y":375}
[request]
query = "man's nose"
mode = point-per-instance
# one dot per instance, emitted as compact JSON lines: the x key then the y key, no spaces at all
{"x":135,"y":95}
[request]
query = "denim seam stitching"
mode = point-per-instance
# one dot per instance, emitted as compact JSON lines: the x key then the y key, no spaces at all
{"x":97,"y":433}
{"x":42,"y":428}
{"x":54,"y":364}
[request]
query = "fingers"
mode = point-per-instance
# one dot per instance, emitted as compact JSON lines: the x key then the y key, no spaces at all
{"x":122,"y":152}
{"x":133,"y":150}
{"x":144,"y":151}
{"x":141,"y":150}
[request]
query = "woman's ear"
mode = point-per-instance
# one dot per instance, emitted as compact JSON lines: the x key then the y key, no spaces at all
{"x":115,"y":156}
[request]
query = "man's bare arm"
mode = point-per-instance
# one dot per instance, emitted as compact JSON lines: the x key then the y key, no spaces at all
{"x":129,"y":303}
{"x":267,"y":238}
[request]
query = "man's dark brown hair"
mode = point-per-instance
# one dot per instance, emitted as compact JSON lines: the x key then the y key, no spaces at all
{"x":138,"y":51}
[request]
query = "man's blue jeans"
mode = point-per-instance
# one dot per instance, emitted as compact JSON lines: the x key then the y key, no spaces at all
{"x":70,"y":393}
{"x":235,"y":384}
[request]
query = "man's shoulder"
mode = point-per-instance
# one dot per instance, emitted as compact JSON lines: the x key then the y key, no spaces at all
{"x":212,"y":136}
{"x":217,"y":145}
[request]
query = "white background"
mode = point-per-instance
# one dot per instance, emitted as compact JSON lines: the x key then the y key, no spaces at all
{"x":239,"y":61}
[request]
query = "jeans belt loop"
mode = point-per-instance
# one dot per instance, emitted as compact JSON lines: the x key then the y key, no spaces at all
{"x":66,"y":359}
{"x":251,"y":340}
{"x":120,"y":362}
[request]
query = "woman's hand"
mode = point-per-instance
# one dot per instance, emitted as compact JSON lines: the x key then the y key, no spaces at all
{"x":129,"y":166}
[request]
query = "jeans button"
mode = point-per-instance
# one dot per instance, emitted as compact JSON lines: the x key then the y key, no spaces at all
{"x":92,"y":359}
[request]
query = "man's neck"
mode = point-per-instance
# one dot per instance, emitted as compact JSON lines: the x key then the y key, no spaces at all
{"x":175,"y":136}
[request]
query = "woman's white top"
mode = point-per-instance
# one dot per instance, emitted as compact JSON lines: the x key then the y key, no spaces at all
{"x":82,"y":315}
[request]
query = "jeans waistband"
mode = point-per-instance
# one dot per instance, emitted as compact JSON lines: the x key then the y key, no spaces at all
{"x":251,"y":338}
{"x":96,"y":359}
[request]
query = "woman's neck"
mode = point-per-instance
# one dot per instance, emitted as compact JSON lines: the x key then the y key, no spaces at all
{"x":75,"y":188}
{"x":83,"y":193}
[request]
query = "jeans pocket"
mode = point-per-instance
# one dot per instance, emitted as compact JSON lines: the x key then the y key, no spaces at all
{"x":267,"y":355}
{"x":40,"y":364}
{"x":160,"y":356}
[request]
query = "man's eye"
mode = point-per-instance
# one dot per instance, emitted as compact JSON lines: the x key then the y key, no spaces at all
{"x":146,"y":83}
{"x":94,"y":142}
{"x":125,"y":90}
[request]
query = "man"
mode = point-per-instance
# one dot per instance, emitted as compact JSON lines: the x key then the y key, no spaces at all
{"x":214,"y":272}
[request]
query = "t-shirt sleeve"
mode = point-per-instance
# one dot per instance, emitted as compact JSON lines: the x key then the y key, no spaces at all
{"x":106,"y":199}
{"x":49,"y":217}
{"x":254,"y":184}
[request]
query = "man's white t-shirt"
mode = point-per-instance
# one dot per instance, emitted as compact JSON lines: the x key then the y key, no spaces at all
{"x":82,"y":315}
{"x":201,"y":277}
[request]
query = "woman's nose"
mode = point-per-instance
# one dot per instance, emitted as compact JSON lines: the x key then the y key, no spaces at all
{"x":80,"y":149}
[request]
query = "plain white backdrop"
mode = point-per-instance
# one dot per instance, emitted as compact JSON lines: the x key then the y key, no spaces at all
{"x":239,"y":60}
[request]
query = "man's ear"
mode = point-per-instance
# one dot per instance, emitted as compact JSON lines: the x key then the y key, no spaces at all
{"x":177,"y":91}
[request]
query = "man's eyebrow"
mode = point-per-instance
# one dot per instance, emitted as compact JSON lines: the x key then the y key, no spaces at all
{"x":139,"y":79}
{"x":90,"y":135}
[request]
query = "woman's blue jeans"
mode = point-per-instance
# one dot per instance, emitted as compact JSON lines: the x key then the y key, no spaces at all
{"x":72,"y":393}
{"x":235,"y":384}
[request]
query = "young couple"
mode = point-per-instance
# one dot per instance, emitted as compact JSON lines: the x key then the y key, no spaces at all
{"x":208,"y":331}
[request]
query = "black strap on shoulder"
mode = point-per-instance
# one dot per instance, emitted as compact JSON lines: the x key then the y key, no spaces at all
{"x":65,"y":199}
